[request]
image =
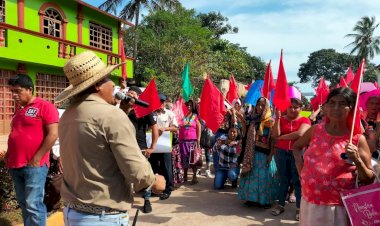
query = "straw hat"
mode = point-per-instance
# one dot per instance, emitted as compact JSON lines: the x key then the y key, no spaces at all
{"x":83,"y":71}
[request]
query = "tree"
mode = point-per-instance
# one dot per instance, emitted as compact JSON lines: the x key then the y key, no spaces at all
{"x":365,"y":44}
{"x":331,"y":65}
{"x":217,"y":23}
{"x":133,"y":9}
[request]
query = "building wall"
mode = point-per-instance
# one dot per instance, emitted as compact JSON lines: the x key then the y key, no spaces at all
{"x":26,"y":47}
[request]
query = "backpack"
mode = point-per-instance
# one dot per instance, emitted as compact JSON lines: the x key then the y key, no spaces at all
{"x":207,"y":138}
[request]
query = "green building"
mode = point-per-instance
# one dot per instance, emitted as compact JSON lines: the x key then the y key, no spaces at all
{"x":37,"y":37}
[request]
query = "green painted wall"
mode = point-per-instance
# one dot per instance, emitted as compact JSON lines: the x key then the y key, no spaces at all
{"x":91,"y":15}
{"x":11,"y":12}
{"x":26,"y":48}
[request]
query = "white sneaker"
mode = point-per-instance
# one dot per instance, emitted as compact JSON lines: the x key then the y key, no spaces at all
{"x":208,"y":174}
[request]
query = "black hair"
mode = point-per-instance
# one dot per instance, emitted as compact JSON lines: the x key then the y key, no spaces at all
{"x":24,"y":81}
{"x":193,"y":106}
{"x":296,"y":101}
{"x":348,"y":94}
{"x":136,"y":89}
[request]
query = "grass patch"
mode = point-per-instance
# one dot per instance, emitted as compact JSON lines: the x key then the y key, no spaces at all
{"x":9,"y":218}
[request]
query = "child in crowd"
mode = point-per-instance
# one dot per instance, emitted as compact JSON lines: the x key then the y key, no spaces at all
{"x":226,"y":148}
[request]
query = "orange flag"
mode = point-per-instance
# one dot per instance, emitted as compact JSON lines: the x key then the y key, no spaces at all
{"x":150,"y":95}
{"x":281,"y":95}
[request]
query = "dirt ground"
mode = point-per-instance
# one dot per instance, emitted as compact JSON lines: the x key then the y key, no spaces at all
{"x":197,"y":205}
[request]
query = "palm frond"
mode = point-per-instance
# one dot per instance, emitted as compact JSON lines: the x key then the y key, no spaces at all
{"x":110,"y":5}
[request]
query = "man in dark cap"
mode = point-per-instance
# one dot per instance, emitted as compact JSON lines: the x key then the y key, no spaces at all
{"x":142,"y":125}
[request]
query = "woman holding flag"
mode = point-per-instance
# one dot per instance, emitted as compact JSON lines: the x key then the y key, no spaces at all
{"x":331,"y":162}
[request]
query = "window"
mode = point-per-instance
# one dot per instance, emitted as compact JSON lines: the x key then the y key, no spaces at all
{"x":48,"y":86}
{"x":100,"y":37}
{"x":2,"y":10}
{"x":52,"y":23}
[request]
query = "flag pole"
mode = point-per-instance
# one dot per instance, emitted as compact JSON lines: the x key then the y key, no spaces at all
{"x":356,"y":105}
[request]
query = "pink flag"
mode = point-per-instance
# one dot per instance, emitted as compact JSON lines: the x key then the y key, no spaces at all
{"x":179,"y":109}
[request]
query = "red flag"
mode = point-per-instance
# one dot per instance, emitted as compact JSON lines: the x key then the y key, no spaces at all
{"x":281,"y":96}
{"x":212,"y":109}
{"x":123,"y":66}
{"x":268,"y":82}
{"x":247,"y":87}
{"x":349,"y":76}
{"x":376,"y":85}
{"x":314,"y":103}
{"x":354,"y":117}
{"x":342,"y":82}
{"x":149,"y":95}
{"x":322,"y":91}
{"x":179,"y":109}
{"x":232,"y":93}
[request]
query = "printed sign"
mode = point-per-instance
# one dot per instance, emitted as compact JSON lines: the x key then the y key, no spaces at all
{"x":362,"y":205}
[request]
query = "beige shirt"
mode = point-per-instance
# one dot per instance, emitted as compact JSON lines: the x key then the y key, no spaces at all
{"x":100,"y":155}
{"x":166,"y":119}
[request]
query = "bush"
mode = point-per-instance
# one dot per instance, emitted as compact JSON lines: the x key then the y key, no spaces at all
{"x":8,"y":200}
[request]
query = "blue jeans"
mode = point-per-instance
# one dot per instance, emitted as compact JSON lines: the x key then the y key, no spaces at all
{"x":75,"y":218}
{"x":30,"y":189}
{"x":207,"y":155}
{"x":287,"y":171}
{"x":222,"y":174}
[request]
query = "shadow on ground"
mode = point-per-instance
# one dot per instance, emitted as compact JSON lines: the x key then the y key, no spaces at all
{"x":201,"y":205}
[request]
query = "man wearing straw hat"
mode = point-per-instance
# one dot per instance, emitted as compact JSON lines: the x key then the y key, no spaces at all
{"x":100,"y":155}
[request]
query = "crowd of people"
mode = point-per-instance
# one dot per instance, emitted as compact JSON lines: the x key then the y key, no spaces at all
{"x":269,"y":156}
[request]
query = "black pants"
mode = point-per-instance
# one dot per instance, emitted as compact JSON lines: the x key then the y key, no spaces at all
{"x":163,"y":165}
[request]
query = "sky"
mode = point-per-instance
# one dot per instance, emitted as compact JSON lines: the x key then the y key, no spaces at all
{"x":299,"y":27}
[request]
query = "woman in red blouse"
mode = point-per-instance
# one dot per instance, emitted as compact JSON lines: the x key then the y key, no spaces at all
{"x":286,"y":130}
{"x":324,"y":174}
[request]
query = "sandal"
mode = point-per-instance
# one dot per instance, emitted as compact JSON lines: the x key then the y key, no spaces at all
{"x":194,"y":181}
{"x":298,"y":215}
{"x":277,"y":210}
{"x":292,"y":199}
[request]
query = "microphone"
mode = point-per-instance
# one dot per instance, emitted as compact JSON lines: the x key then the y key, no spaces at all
{"x":126,"y":98}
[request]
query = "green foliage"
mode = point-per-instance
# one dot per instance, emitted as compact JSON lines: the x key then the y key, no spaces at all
{"x":170,"y":39}
{"x":7,"y":192}
{"x":331,"y":65}
{"x":365,"y":43}
{"x":217,"y":23}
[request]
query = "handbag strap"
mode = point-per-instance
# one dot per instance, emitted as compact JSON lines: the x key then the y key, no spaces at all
{"x":377,"y":179}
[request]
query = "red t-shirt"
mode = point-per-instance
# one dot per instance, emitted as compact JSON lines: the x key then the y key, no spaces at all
{"x":287,"y":127}
{"x":29,"y":131}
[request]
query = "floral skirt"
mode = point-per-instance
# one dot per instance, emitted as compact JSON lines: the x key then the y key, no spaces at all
{"x":177,"y":166}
